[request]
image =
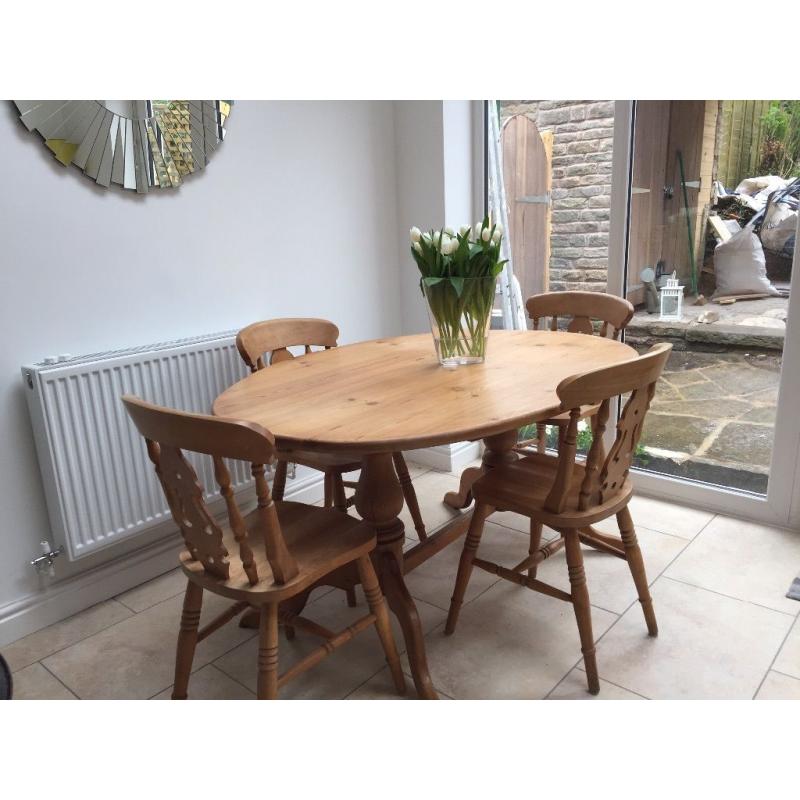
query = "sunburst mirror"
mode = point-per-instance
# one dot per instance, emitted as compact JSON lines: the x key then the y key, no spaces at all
{"x":135,"y":144}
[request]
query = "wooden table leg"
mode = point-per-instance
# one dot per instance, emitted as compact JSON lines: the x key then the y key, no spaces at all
{"x":379,"y":499}
{"x":498,"y":451}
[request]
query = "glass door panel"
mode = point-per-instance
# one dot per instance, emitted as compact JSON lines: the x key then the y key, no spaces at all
{"x":701,"y":209}
{"x":550,"y":174}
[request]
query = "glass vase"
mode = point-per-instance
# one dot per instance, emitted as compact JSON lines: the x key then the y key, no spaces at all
{"x":460,"y":311}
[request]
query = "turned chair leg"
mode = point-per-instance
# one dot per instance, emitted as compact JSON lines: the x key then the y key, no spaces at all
{"x":409,"y":495}
{"x":581,"y":606}
{"x":377,"y":605}
{"x":633,"y":556}
{"x":187,"y":639}
{"x":268,"y":653}
{"x":536,"y":541}
{"x":465,"y":564}
{"x":279,"y":481}
{"x":541,"y":437}
{"x":328,"y":484}
{"x":337,"y":489}
{"x":351,"y":596}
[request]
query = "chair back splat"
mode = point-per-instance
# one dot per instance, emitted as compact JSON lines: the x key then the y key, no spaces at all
{"x":614,"y":313}
{"x":605,"y":475}
{"x":274,"y":337}
{"x":168,"y":433}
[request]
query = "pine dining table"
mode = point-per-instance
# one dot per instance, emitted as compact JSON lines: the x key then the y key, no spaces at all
{"x":371,"y":399}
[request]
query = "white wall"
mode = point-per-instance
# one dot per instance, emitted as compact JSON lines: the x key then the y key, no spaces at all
{"x":295,"y":215}
{"x":420,"y":195}
{"x":435,"y":184}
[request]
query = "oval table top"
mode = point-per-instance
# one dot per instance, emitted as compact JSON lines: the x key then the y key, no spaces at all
{"x":392,"y":394}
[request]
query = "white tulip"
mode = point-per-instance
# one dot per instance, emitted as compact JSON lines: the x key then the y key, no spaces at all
{"x":486,"y":234}
{"x":449,"y":231}
{"x":437,"y":236}
{"x":496,"y":236}
{"x":415,"y":234}
{"x":499,"y":228}
{"x":464,"y":230}
{"x":478,"y":229}
{"x":426,"y":237}
{"x":447,"y":245}
{"x":417,"y":247}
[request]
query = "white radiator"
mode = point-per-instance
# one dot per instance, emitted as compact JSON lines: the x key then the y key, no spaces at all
{"x":100,"y":486}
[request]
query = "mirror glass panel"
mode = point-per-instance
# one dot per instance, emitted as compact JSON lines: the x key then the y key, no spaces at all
{"x":134,"y":144}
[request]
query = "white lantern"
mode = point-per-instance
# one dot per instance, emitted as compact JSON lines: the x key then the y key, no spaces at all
{"x":671,"y":299}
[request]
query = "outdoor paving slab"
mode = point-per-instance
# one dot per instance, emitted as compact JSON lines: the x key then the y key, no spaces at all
{"x":763,"y":414}
{"x":703,"y":391}
{"x":731,"y":409}
{"x":766,"y":396}
{"x":745,"y":442}
{"x":685,"y":378}
{"x":737,"y":379}
{"x":665,"y":391}
{"x":679,"y":434}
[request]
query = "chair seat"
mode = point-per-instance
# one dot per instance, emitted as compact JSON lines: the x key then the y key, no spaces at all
{"x":523,"y":486}
{"x":320,"y":540}
{"x":320,"y":461}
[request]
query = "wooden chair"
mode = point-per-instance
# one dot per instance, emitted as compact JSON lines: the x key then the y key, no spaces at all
{"x":570,"y":497}
{"x":275,"y":337}
{"x":266,"y":558}
{"x":613,"y":314}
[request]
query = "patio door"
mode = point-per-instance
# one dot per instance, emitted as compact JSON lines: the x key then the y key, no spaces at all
{"x":723,"y":432}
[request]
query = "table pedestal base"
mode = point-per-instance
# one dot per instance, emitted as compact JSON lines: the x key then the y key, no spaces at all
{"x":379,"y":499}
{"x":498,"y":451}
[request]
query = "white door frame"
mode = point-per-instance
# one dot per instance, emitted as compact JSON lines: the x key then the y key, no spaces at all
{"x":781,"y":506}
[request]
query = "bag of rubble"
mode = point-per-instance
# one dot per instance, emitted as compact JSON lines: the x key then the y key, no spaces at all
{"x":754,"y":192}
{"x":779,"y":228}
{"x":740,"y":266}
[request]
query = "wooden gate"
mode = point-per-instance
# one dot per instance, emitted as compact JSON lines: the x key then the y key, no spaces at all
{"x":527,"y":174}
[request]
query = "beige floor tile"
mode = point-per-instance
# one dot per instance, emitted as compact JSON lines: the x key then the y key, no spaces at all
{"x":381,"y":687}
{"x":34,"y":682}
{"x":135,"y":659}
{"x":744,"y":560}
{"x":664,"y":517}
{"x":209,"y":683}
{"x":434,"y":580}
{"x":431,"y":487}
{"x":778,"y":686}
{"x":148,"y":594}
{"x":519,"y":523}
{"x":788,"y":660}
{"x":415,"y":469}
{"x":709,"y":646}
{"x":511,"y":643}
{"x":340,"y":673}
{"x":56,"y":637}
{"x":573,"y":687}
{"x":610,"y":583}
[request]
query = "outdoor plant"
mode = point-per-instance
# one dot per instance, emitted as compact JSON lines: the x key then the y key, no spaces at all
{"x":583,"y":440}
{"x":780,"y":147}
{"x":458,"y":277}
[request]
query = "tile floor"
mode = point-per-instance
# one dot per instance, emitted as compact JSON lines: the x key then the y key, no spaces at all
{"x":726,"y":628}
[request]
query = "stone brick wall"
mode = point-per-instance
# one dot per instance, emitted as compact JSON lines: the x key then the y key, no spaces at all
{"x":583,"y":133}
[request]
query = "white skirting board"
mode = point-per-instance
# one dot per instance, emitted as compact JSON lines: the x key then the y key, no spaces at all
{"x":65,"y":598}
{"x":447,"y":457}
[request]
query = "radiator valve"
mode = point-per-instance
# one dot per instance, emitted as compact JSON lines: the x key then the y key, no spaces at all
{"x":44,"y":564}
